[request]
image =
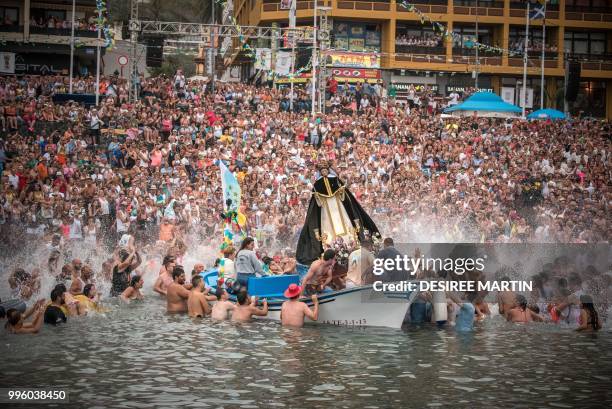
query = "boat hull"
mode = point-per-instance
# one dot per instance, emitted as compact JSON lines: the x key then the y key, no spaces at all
{"x":359,"y":306}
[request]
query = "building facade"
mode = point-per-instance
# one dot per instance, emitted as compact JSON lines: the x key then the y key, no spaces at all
{"x":383,"y":39}
{"x":35,"y":37}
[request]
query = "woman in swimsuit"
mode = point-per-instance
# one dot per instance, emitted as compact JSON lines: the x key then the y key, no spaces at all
{"x":133,"y":291}
{"x":589,"y":319}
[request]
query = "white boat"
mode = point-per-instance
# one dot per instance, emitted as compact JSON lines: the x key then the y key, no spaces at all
{"x":357,"y":306}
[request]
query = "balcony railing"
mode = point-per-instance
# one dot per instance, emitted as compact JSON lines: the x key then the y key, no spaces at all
{"x":63,"y":32}
{"x":379,"y":5}
{"x":472,"y":52}
{"x":415,"y":49}
{"x":479,"y":3}
{"x":591,"y":57}
{"x":548,"y":55}
{"x":482,"y":60}
{"x":10,"y":28}
{"x":518,"y":9}
{"x":275,"y":5}
{"x":424,"y":58}
{"x":431,"y":6}
{"x":589,"y":14}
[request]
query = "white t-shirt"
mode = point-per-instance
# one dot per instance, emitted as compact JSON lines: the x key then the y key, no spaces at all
{"x":76,"y":230}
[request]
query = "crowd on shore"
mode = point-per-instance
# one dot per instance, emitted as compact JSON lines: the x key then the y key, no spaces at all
{"x":81,"y":179}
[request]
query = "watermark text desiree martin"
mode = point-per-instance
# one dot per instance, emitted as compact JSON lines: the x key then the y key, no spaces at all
{"x":459,"y":286}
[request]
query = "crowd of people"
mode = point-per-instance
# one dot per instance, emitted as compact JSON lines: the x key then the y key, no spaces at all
{"x":145,"y":175}
{"x":536,"y":45}
{"x":419,"y":41}
{"x":58,"y":23}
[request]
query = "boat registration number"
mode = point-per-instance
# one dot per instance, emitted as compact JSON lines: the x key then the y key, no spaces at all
{"x":346,"y":323}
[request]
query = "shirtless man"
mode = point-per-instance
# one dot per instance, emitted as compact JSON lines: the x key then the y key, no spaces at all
{"x":294,"y":311}
{"x":320,"y":273}
{"x":197,"y":303}
{"x":177,"y":294}
{"x":520,"y":313}
{"x":164,"y":280}
{"x":246,"y":308}
{"x":506,"y":300}
{"x":222,"y":308}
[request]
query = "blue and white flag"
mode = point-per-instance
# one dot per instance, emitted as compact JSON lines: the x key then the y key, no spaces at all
{"x":231,"y":188}
{"x":538,"y":10}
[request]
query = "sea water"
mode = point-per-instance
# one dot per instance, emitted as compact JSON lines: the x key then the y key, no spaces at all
{"x":138,"y":356}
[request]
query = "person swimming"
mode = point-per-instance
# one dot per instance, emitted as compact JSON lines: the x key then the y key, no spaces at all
{"x":16,"y":320}
{"x":247,"y":307}
{"x":222,"y":308}
{"x":133,"y":291}
{"x":197,"y":302}
{"x":520,"y":313}
{"x":589,"y":319}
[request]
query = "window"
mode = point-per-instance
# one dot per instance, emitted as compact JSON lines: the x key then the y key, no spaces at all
{"x":467,"y":35}
{"x":583,"y":42}
{"x":358,"y":37}
{"x":9,"y":16}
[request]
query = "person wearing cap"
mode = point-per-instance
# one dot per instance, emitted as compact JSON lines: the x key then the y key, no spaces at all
{"x":293,"y":310}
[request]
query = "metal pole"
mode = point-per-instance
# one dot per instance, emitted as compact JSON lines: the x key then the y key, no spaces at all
{"x":524,"y":92}
{"x":98,"y":57}
{"x":543,"y":57}
{"x":292,"y":38}
{"x":71,"y":45}
{"x":477,"y":58}
{"x":292,"y":77}
{"x":214,"y":49}
{"x":314,"y":62}
{"x":565,"y":102}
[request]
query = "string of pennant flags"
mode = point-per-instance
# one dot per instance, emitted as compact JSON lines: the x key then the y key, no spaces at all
{"x":102,"y":23}
{"x":443,"y":31}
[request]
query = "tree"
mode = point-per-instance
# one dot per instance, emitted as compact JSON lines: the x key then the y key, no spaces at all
{"x":174,"y":62}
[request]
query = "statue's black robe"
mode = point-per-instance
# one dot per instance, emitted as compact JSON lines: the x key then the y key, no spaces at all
{"x":309,"y":248}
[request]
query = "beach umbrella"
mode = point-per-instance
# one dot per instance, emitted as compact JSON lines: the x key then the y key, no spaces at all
{"x":546,"y":114}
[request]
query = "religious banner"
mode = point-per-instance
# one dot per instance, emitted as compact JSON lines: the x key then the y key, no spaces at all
{"x":354,"y":60}
{"x":263,"y":59}
{"x":283,"y":63}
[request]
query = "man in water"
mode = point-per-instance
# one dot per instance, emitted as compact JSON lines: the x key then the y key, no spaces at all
{"x":520,"y":313}
{"x":197,"y":303}
{"x":294,"y":311}
{"x":246,"y":308}
{"x":222,"y":308}
{"x":177,"y":294}
{"x":54,"y":313}
{"x":506,"y":300}
{"x":320,"y":273}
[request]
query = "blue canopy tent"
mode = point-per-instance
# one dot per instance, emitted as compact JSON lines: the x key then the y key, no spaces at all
{"x":547,"y":113}
{"x":485,"y":104}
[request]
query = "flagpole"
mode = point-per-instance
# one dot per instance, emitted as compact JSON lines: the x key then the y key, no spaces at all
{"x":71,"y":45}
{"x":292,"y":39}
{"x":524,"y":92}
{"x":543,"y":57}
{"x":313,"y":79}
